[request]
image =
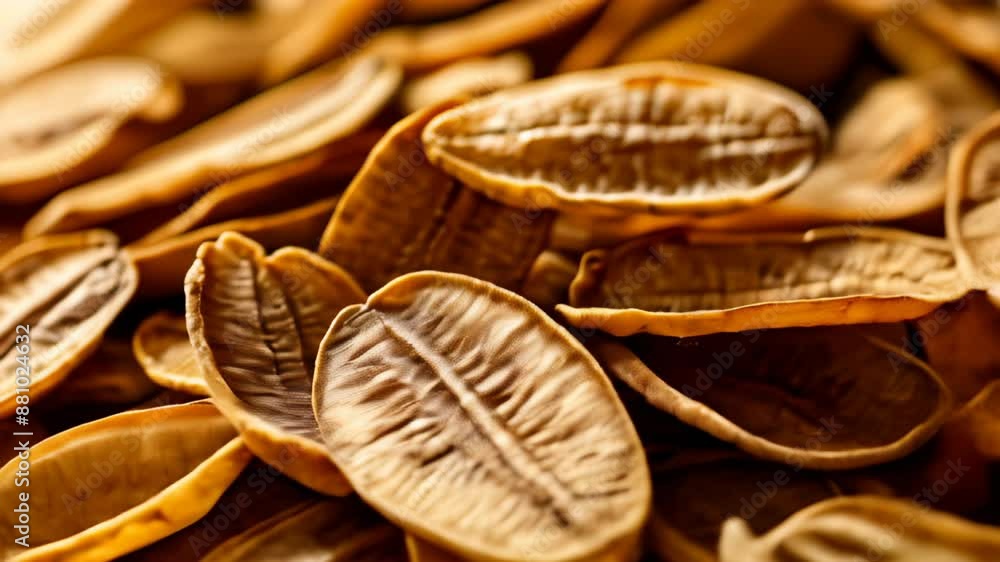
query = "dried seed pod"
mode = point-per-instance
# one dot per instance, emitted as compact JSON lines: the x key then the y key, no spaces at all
{"x":103,"y":489}
{"x":111,"y":376}
{"x":691,"y":502}
{"x":65,"y":291}
{"x":617,"y":24}
{"x":162,"y":265}
{"x":285,"y":122}
{"x":257,"y":494}
{"x":255,"y":323}
{"x":80,"y":121}
{"x":656,"y":137}
{"x":402,"y":214}
{"x":317,"y":32}
{"x":419,"y":550}
{"x":163,"y":348}
{"x":493,"y":29}
{"x":816,"y":43}
{"x":437,"y":9}
{"x":972,"y":28}
{"x":204,"y":49}
{"x":966,"y":96}
{"x":282,"y":187}
{"x":790,"y":396}
{"x":863,"y":527}
{"x":466,"y":78}
{"x":477,"y":439}
{"x":335,"y":529}
{"x":973,"y":205}
{"x":713,"y":283}
{"x":894,"y":172}
{"x":37,"y":34}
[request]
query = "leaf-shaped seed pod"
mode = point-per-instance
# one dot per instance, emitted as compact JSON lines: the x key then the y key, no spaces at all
{"x":712,"y":283}
{"x":402,"y":214}
{"x":257,"y":494}
{"x":333,"y":529}
{"x":419,"y":550}
{"x":863,"y":528}
{"x":973,"y":205}
{"x":494,"y":443}
{"x":80,"y":121}
{"x":869,"y":176}
{"x":790,"y":396}
{"x":691,"y":502}
{"x":57,"y":297}
{"x":959,"y":342}
{"x":492,"y":30}
{"x":37,"y":34}
{"x":318,"y":32}
{"x":293,"y":119}
{"x":162,"y":265}
{"x":282,"y":187}
{"x":466,"y":78}
{"x":111,"y":486}
{"x":163,"y":348}
{"x":256,"y":323}
{"x":655,"y":137}
{"x":979,"y":422}
{"x":617,"y":24}
{"x":972,"y":28}
{"x":438,"y":9}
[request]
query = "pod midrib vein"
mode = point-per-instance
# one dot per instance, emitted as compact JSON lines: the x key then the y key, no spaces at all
{"x":509,"y":448}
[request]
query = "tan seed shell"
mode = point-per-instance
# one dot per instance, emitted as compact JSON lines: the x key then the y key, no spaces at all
{"x":893,"y":172}
{"x":464,"y":414}
{"x":255,"y":323}
{"x":110,"y":376}
{"x":547,"y":284}
{"x":466,"y":78}
{"x":790,"y":396}
{"x":973,"y":205}
{"x":102,"y":489}
{"x":713,"y":283}
{"x":285,"y":186}
{"x":493,"y":29}
{"x":286,"y":122}
{"x":318,"y":32}
{"x":616,"y":26}
{"x":633,"y":139}
{"x":163,"y":348}
{"x":162,"y":265}
{"x":36,"y":35}
{"x":402,"y":214}
{"x":856,"y":527}
{"x":80,"y":121}
{"x":691,"y":502}
{"x":67,"y":289}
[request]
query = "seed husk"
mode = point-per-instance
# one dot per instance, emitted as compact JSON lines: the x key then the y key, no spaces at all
{"x":256,"y":322}
{"x":637,"y":140}
{"x":705,"y":283}
{"x":437,"y":419}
